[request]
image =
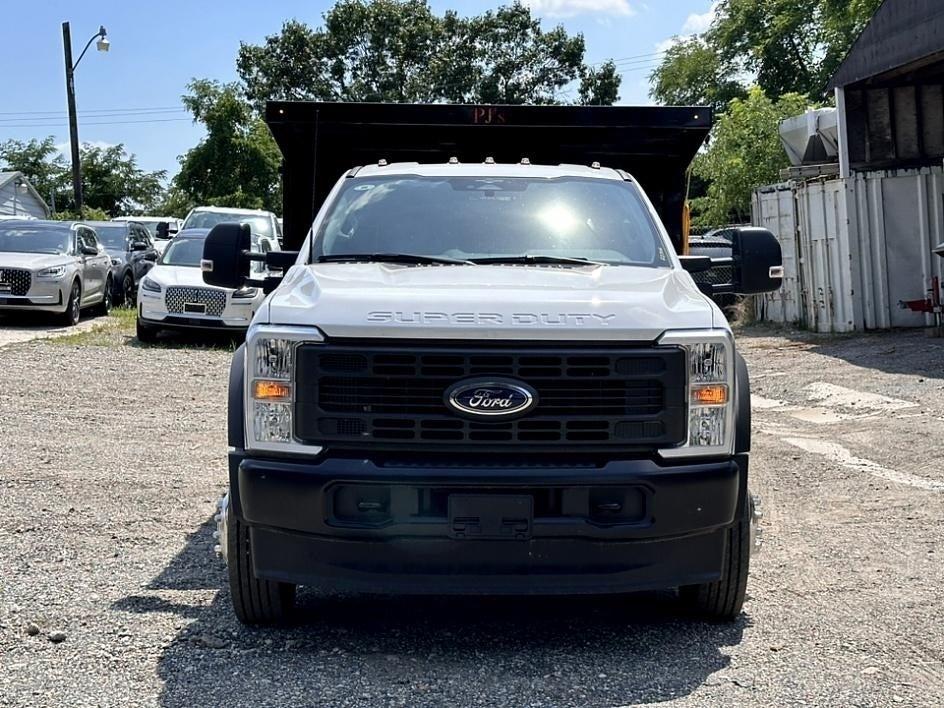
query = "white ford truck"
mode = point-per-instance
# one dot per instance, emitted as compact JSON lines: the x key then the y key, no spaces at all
{"x":490,"y":371}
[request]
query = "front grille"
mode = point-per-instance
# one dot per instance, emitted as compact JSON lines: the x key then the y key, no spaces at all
{"x":177,"y":298}
{"x":15,"y":281}
{"x":394,"y":397}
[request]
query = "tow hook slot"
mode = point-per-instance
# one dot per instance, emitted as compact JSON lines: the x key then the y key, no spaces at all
{"x":495,"y":517}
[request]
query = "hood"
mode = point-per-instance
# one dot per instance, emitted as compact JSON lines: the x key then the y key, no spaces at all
{"x":33,"y":261}
{"x":168,"y":275}
{"x":493,"y":302}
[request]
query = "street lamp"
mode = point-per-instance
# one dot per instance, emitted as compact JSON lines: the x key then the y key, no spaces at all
{"x":103,"y":45}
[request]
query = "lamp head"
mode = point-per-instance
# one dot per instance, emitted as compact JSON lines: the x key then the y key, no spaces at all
{"x":103,"y":44}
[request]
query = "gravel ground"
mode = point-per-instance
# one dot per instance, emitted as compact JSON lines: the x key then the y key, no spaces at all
{"x":113,"y":456}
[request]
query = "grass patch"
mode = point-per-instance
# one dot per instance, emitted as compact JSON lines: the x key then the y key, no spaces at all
{"x":118,"y":330}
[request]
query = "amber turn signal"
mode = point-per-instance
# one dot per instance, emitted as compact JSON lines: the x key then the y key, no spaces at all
{"x":271,"y":391}
{"x":712,"y":395}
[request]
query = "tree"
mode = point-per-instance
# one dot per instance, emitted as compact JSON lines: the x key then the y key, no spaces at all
{"x":745,"y":152}
{"x":693,"y":74}
{"x":113,"y":182}
{"x":236,"y":164}
{"x":786,"y":46}
{"x":41,"y":163}
{"x":401,"y":51}
{"x":791,"y":46}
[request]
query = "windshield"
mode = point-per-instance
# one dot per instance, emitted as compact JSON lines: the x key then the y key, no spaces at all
{"x":150,"y":225}
{"x":261,"y":225}
{"x":183,"y":252}
{"x":114,"y":238}
{"x":482,"y":217}
{"x":20,"y":237}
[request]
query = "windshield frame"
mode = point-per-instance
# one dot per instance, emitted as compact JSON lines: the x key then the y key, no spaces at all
{"x":313,"y":246}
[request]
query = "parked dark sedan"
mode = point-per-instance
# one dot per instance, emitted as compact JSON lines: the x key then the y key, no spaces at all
{"x":132,"y":255}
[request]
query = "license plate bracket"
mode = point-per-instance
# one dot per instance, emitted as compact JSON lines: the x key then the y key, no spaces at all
{"x":195,"y":307}
{"x":491,"y":516}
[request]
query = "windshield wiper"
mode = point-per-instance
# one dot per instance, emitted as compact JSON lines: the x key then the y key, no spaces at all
{"x":390,"y":258}
{"x":536,"y":259}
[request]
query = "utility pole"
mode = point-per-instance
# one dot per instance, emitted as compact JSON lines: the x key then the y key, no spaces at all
{"x":73,"y":121}
{"x":103,"y":46}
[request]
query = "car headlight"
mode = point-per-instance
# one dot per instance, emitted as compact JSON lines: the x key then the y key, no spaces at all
{"x":150,"y":285}
{"x":52,"y":273}
{"x":116,"y":261}
{"x":245,"y":293}
{"x":270,"y":387}
{"x":710,"y":392}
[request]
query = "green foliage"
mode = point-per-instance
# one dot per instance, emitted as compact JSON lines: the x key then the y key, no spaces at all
{"x":236,"y":164}
{"x":745,"y":152}
{"x":88,"y":214}
{"x":112,"y":182}
{"x":40,"y":162}
{"x":790,"y":45}
{"x":401,"y":51}
{"x":692,"y":74}
{"x":784,"y":46}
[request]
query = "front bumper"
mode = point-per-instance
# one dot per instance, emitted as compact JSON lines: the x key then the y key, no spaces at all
{"x":48,"y":296}
{"x":236,"y":315}
{"x":343,"y":524}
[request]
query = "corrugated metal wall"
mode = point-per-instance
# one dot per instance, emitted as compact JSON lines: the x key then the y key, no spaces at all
{"x":854,"y":248}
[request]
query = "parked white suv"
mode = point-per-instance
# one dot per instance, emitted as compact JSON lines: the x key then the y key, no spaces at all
{"x":173,"y":296}
{"x":261,"y":223}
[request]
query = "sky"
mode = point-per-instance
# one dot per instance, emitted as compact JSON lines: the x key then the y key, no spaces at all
{"x":131,"y":95}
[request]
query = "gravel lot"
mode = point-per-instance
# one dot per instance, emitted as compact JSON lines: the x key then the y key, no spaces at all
{"x":113,"y":456}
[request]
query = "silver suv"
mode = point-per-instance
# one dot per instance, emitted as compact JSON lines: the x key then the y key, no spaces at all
{"x":53,"y":266}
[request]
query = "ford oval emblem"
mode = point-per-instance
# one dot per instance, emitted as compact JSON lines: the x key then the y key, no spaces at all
{"x":491,"y":398}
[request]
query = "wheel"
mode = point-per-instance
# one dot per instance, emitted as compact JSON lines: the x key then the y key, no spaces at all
{"x":127,"y":290}
{"x":723,"y":599}
{"x":73,"y":311}
{"x":147,"y":334}
{"x":105,"y":306}
{"x":255,"y":601}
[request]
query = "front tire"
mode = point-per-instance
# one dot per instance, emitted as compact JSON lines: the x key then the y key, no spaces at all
{"x":73,"y":312}
{"x":723,"y":599}
{"x":147,"y":334}
{"x":255,"y":601}
{"x":127,"y":290}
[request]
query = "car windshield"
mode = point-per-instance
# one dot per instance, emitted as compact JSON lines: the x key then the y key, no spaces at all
{"x":493,"y":218}
{"x":183,"y":252}
{"x":260,"y":224}
{"x":150,"y":225}
{"x":20,"y":237}
{"x":114,"y":238}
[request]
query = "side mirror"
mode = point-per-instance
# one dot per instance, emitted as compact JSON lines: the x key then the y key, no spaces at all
{"x":138,"y":246}
{"x":758,"y":262}
{"x":152,"y":256}
{"x":163,"y":230}
{"x":225,"y":261}
{"x":89,"y":251}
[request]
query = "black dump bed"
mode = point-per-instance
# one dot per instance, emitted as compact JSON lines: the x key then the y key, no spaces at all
{"x":321,"y":141}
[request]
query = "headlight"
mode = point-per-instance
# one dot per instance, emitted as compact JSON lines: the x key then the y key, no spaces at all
{"x":116,"y":261}
{"x":150,"y":285}
{"x":710,"y":392}
{"x":245,"y":293}
{"x":270,"y":391}
{"x":52,"y":273}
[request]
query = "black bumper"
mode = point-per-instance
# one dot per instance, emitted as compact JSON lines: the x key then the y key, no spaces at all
{"x":348,"y":524}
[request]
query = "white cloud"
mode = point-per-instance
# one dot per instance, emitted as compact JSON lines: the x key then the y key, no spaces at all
{"x":569,"y":8}
{"x":697,"y":23}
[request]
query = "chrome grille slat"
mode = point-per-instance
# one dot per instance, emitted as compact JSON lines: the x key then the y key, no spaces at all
{"x":177,"y":297}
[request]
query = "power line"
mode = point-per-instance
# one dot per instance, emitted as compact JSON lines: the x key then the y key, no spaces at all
{"x":84,"y":123}
{"x":92,"y":110}
{"x":128,"y":114}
